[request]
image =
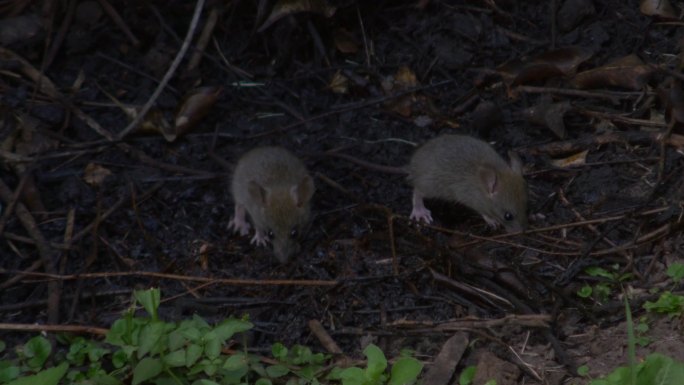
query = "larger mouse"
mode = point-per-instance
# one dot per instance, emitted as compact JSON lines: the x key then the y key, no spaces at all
{"x":274,"y":188}
{"x":465,"y":170}
{"x":468,"y":171}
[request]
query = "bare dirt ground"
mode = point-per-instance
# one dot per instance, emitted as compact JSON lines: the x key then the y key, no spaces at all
{"x":588,"y":93}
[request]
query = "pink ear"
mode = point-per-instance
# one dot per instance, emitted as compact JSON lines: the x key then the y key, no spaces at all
{"x":516,"y":163}
{"x":302,"y":191}
{"x":489,"y":179}
{"x":257,"y":192}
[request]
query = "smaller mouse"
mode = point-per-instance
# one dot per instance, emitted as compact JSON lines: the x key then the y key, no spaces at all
{"x":467,"y":170}
{"x":274,"y":187}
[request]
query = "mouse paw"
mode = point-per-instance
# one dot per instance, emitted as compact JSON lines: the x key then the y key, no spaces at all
{"x":421,"y":214}
{"x":259,"y":238}
{"x":493,"y":223}
{"x":239,"y":226}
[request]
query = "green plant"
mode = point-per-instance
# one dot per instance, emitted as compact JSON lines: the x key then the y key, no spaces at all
{"x":601,"y":291}
{"x":404,"y":371}
{"x":467,"y":375}
{"x":147,"y":350}
{"x":667,"y":303}
{"x":676,"y":272}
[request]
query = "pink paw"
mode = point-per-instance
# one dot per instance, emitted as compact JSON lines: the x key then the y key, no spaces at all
{"x":421,"y":214}
{"x":259,"y":238}
{"x":239,"y":226}
{"x":493,"y":223}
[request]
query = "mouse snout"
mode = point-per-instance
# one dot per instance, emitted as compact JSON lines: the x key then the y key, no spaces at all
{"x":284,"y":249}
{"x":517,"y":226}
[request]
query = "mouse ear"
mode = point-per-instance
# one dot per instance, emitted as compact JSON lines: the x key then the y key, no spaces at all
{"x":489,"y":179}
{"x":516,"y":163}
{"x":302,"y":191}
{"x":257,"y":192}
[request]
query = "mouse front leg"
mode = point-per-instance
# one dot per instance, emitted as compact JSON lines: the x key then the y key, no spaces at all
{"x":419,"y":211}
{"x":260,"y":238}
{"x":239,"y":222}
{"x":493,"y":223}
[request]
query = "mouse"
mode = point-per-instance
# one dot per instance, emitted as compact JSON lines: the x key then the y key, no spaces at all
{"x":465,"y":170}
{"x":273,"y":187}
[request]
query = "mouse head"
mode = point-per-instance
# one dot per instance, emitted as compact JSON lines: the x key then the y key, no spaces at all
{"x":286,"y":212}
{"x":507,"y":193}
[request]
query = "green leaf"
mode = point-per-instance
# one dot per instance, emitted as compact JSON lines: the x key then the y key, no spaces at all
{"x":193,"y":353}
{"x":236,"y":362}
{"x":229,"y":327}
{"x":584,"y":292}
{"x":175,"y":359}
{"x":205,"y":382}
{"x":405,"y":371}
{"x":596,"y":271}
{"x":212,"y":345}
{"x":105,"y":379}
{"x":377,"y":363}
{"x":150,"y":336}
{"x":275,"y":371}
{"x":667,"y":303}
{"x":37,"y":349}
{"x":147,"y":368}
{"x":583,"y":370}
{"x":150,"y":300}
{"x":676,"y":272}
{"x":467,"y":375}
{"x":348,"y":376}
{"x":279,"y":351}
{"x":120,"y":359}
{"x":8,"y":371}
{"x":50,"y":376}
{"x":263,"y":381}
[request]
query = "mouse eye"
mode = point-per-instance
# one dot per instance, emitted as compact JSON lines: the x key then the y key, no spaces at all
{"x":270,"y":234}
{"x":294,"y":233}
{"x":508,"y":216}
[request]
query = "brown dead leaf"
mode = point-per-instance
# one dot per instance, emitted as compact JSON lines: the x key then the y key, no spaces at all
{"x":404,"y":79}
{"x":95,"y":174}
{"x":444,"y":364}
{"x":661,"y":9}
{"x":549,"y":115}
{"x":288,"y":7}
{"x":577,"y":159}
{"x":345,"y":42}
{"x":339,"y":84}
{"x":560,"y":62}
{"x":627,"y":72}
{"x":193,"y":109}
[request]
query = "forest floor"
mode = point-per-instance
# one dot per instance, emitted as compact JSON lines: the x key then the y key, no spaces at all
{"x":588,"y":95}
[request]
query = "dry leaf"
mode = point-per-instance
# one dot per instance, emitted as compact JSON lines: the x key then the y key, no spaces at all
{"x":626,"y":72}
{"x":345,"y":42}
{"x":404,"y":79}
{"x":193,"y":109}
{"x":563,"y":61}
{"x":658,"y":8}
{"x":95,"y":174}
{"x":573,"y":160}
{"x":549,"y":115}
{"x":288,"y":7}
{"x":339,"y":84}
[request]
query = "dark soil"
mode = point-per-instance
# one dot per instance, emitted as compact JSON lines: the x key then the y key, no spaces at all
{"x":602,"y":153}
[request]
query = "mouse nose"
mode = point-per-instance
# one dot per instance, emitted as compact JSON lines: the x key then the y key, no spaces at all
{"x":284,"y":250}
